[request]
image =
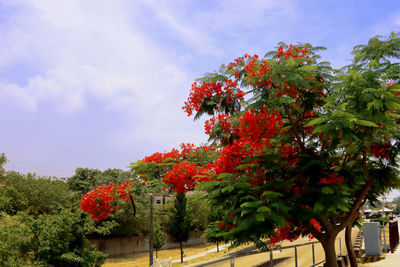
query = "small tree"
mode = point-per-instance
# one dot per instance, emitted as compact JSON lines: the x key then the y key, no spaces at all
{"x":213,"y":234}
{"x":179,"y":221}
{"x":158,"y":238}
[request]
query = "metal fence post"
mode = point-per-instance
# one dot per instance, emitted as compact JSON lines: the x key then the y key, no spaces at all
{"x":340,"y":246}
{"x":295,"y":256}
{"x":232,"y":262}
{"x":271,"y":258}
{"x":313,"y":255}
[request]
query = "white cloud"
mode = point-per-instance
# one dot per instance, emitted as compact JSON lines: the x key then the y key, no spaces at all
{"x":387,"y":25}
{"x":202,"y":29}
{"x":83,"y":50}
{"x":86,"y":50}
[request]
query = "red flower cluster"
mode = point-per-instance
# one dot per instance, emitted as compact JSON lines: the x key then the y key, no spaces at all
{"x":256,"y":128}
{"x":176,"y":155}
{"x":230,"y":157}
{"x":160,"y":157}
{"x":284,"y":233}
{"x":226,"y":91}
{"x":381,"y":150}
{"x":332,"y":179}
{"x":291,"y":52}
{"x":227,"y":226}
{"x":222,"y":121}
{"x":316,"y":224}
{"x":183,"y":177}
{"x":100,"y":202}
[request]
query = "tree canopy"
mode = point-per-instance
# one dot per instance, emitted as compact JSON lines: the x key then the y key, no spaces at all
{"x":301,"y":145}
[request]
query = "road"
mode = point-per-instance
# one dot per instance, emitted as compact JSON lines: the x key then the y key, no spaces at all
{"x":285,"y":258}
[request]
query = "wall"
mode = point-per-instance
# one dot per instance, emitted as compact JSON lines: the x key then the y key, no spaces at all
{"x":115,"y":246}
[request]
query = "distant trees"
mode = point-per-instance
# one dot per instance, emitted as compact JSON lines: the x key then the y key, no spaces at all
{"x":85,"y":179}
{"x":40,"y":224}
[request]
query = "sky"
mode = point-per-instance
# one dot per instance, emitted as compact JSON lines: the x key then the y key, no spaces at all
{"x":101,"y":84}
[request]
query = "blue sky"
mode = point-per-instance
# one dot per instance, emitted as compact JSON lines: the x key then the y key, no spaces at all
{"x":100,"y":84}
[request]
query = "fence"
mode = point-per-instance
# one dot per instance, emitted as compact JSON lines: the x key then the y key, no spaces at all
{"x":271,"y":257}
{"x":162,"y":263}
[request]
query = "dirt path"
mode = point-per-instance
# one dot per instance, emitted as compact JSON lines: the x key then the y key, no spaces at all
{"x":286,"y":257}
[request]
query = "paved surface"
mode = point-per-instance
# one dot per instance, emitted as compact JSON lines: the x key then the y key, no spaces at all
{"x":221,"y":247}
{"x":285,"y":258}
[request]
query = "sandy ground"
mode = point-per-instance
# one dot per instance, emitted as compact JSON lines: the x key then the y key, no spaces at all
{"x":243,"y":256}
{"x":286,"y":257}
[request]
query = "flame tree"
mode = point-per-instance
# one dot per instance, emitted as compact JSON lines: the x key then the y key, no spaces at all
{"x":302,"y":146}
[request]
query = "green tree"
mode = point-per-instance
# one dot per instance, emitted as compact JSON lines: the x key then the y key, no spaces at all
{"x":197,"y":209}
{"x":41,"y":225}
{"x":15,"y":241}
{"x":158,"y":238}
{"x":3,"y":160}
{"x":60,"y":240}
{"x":179,"y":221}
{"x":85,"y":179}
{"x":214,"y":234}
{"x":308,"y":145}
{"x":32,"y":194}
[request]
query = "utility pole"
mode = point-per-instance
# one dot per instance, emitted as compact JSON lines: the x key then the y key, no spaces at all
{"x":151,"y":230}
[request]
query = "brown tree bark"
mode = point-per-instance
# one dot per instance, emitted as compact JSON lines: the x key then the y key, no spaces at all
{"x":329,"y":248}
{"x":349,"y":246}
{"x":181,"y":252}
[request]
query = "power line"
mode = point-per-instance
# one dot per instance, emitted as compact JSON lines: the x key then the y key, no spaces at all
{"x":36,"y":166}
{"x":33,"y":168}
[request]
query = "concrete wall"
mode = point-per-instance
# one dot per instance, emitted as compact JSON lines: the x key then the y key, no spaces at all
{"x":115,"y":246}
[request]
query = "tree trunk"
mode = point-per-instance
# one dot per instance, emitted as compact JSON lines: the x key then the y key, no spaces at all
{"x":217,"y":247}
{"x":349,"y":246}
{"x":181,"y":252}
{"x":329,"y":248}
{"x":156,"y":253}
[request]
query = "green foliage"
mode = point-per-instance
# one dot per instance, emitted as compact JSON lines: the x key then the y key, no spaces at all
{"x":397,"y":209}
{"x":159,"y":237}
{"x":85,"y":179}
{"x":35,"y":195}
{"x":339,"y":124}
{"x":179,"y":223}
{"x":124,"y":222}
{"x":40,"y":226}
{"x":197,"y":210}
{"x":381,"y":220}
{"x":15,"y":241}
{"x":3,"y":160}
{"x":214,"y":233}
{"x":60,"y":240}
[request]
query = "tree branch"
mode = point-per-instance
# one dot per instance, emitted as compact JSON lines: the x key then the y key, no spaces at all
{"x":357,"y":204}
{"x":294,"y":126}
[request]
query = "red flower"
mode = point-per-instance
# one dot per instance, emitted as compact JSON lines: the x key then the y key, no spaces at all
{"x":100,"y":202}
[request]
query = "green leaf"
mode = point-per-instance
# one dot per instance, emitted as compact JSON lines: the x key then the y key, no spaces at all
{"x":263,"y":209}
{"x":254,"y":204}
{"x":259,"y":217}
{"x":271,"y":194}
{"x":327,"y":190}
{"x":318,"y":207}
{"x":228,"y":189}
